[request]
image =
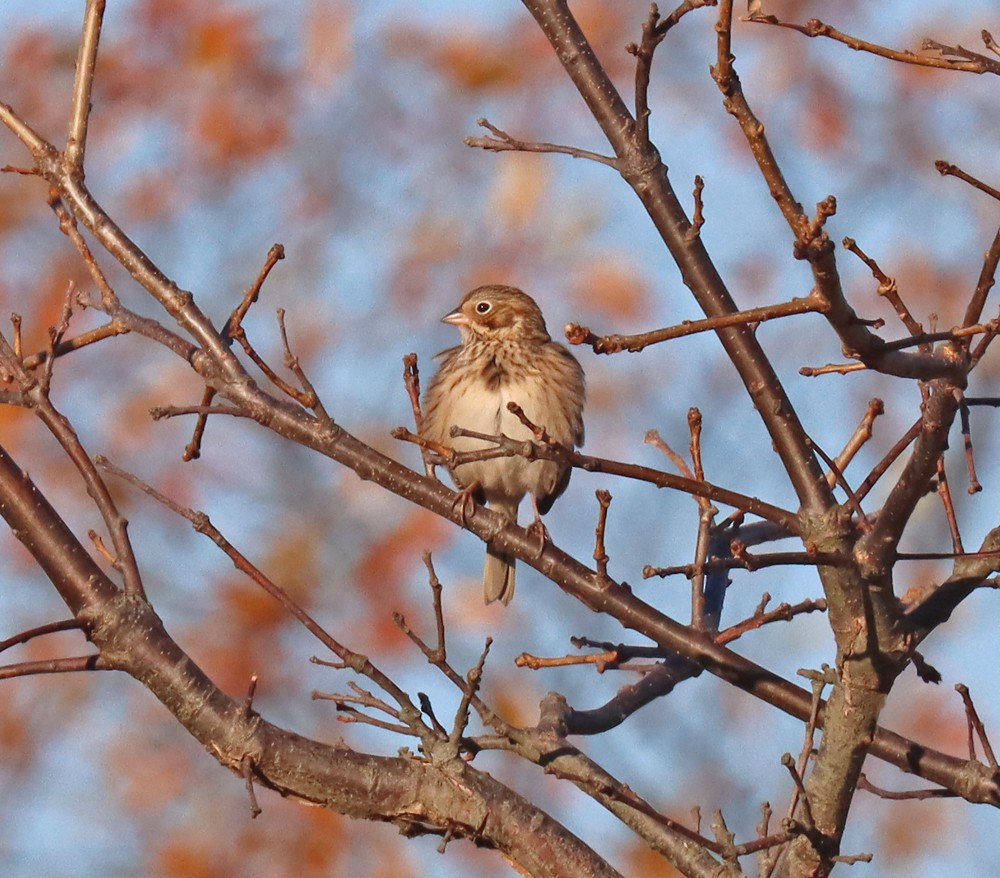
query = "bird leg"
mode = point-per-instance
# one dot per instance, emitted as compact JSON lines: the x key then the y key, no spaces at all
{"x":537,"y":528}
{"x":466,"y":499}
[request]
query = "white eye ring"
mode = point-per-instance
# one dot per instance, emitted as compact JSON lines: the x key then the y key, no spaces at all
{"x":483,"y":308}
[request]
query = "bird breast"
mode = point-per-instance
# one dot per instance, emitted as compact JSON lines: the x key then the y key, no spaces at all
{"x":511,"y":376}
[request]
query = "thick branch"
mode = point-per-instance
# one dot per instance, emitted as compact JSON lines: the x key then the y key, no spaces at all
{"x":408,"y":792}
{"x":641,"y":167}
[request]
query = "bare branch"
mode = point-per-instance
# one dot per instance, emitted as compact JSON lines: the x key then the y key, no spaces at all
{"x":504,"y":142}
{"x":411,"y":380}
{"x":600,"y":553}
{"x":970,"y":62}
{"x":886,"y":288}
{"x":975,"y":723}
{"x":76,"y":141}
{"x":56,"y":666}
{"x":613,"y":344}
{"x":946,"y":169}
{"x":642,"y":168}
{"x":861,"y":435}
{"x":41,"y":631}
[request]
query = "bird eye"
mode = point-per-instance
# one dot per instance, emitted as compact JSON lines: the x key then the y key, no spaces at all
{"x":483,"y":308}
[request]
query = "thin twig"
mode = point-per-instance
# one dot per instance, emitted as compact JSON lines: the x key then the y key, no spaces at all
{"x":357,"y":662}
{"x":246,"y":769}
{"x":472,"y":682}
{"x":239,"y":334}
{"x":503,"y":142}
{"x":890,"y":457}
{"x":784,"y":612}
{"x":160,"y":412}
{"x":614,"y":344}
{"x":65,"y":346}
{"x":440,"y":651}
{"x":600,"y":552}
{"x":247,"y":707}
{"x":428,"y":710}
{"x":35,"y":396}
{"x":903,"y":795}
{"x":944,"y":493}
{"x":41,"y":631}
{"x":234,"y":330}
{"x":699,"y":488}
{"x":852,"y":498}
{"x":862,"y":434}
{"x":800,"y":789}
{"x":698,"y":216}
{"x":946,"y":169}
{"x":252,"y":293}
{"x":831,"y":369}
{"x":436,"y":657}
{"x":56,"y":666}
{"x":971,"y":62}
{"x":653,"y":32}
{"x":887,"y":288}
{"x":808,"y":739}
{"x":86,"y":61}
{"x":970,"y":458}
{"x":308,"y":397}
{"x":411,"y":381}
{"x":654,"y":438}
{"x":972,"y":716}
{"x":69,"y":227}
{"x":192,"y":451}
{"x":987,"y":278}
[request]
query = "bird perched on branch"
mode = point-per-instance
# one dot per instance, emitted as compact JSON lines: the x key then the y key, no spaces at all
{"x":506,"y":355}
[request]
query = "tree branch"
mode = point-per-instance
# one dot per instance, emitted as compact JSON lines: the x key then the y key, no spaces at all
{"x":641,"y":167}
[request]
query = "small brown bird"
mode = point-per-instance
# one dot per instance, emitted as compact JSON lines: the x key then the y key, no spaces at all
{"x":506,"y":355}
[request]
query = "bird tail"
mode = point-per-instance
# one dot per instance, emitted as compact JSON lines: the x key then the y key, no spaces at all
{"x":498,"y":574}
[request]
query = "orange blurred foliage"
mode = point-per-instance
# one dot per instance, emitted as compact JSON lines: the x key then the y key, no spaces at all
{"x":826,"y":121}
{"x":177,"y":859}
{"x":513,"y":694}
{"x":520,"y":184}
{"x":327,"y":37}
{"x":476,"y":63}
{"x":645,"y":863}
{"x":293,"y":840}
{"x":926,"y":828}
{"x":215,"y":75}
{"x":474,"y":60}
{"x":228,"y":127}
{"x":15,"y":734}
{"x":434,"y":241}
{"x":613,"y":285}
{"x":149,"y":778}
{"x":504,"y":60}
{"x":390,"y":559}
{"x":246,"y":606}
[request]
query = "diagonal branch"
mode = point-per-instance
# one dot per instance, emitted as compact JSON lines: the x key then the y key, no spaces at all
{"x":962,"y":60}
{"x":811,"y":240}
{"x":406,"y":791}
{"x":613,"y":344}
{"x":640,"y":165}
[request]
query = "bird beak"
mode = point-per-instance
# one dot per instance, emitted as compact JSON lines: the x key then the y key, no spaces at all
{"x":456,"y":318}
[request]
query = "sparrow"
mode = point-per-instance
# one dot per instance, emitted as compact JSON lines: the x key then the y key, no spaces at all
{"x":506,"y":355}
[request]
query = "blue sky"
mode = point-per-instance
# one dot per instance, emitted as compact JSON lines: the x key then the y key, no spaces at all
{"x":385,"y":139}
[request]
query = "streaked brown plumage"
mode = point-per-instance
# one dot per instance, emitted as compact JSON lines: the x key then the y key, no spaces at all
{"x":506,"y":355}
